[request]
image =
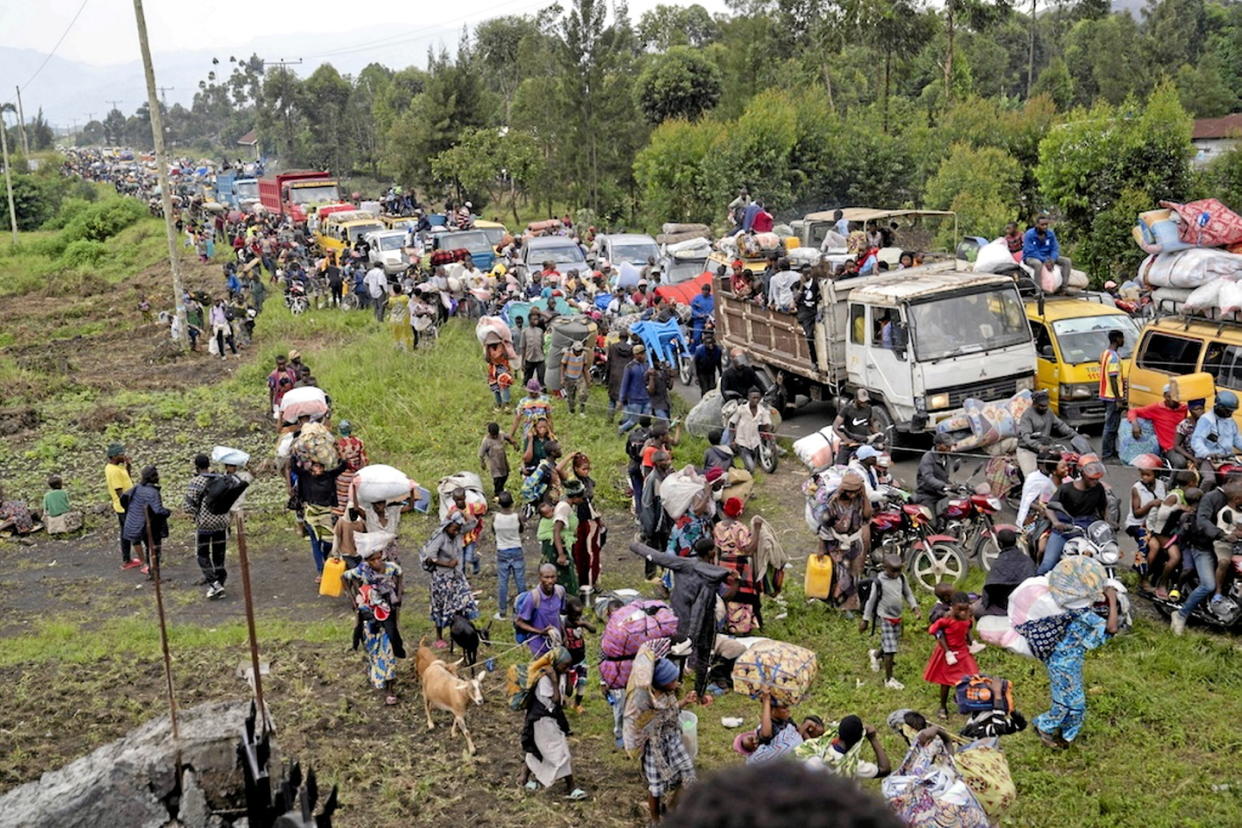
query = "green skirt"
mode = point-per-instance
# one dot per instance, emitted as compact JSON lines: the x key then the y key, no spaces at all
{"x":567,"y":575}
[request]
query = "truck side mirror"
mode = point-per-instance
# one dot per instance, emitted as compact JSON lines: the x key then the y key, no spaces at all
{"x":1045,"y":351}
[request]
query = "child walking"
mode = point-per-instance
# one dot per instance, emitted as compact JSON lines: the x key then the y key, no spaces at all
{"x":953,"y":656}
{"x":575,"y":641}
{"x":508,"y":526}
{"x":884,"y":607}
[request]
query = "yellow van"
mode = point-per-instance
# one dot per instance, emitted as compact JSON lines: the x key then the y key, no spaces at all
{"x":341,"y":230}
{"x":1070,"y":334}
{"x":1173,"y":346}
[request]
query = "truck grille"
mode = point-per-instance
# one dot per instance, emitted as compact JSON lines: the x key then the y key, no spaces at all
{"x":988,"y":391}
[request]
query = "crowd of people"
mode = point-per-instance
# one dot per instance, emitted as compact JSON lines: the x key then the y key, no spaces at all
{"x":717,"y":571}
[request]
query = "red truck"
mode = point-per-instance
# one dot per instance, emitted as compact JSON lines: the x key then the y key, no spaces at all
{"x":291,"y":193}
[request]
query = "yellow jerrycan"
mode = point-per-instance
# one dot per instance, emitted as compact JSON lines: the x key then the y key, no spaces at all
{"x":330,"y":582}
{"x":818,"y":582}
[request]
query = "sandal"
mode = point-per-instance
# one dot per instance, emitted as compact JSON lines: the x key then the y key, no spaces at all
{"x":577,"y":795}
{"x":942,"y":713}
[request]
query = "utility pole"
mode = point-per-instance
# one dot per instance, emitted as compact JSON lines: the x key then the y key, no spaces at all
{"x":163,"y":97}
{"x":8,"y":175}
{"x":21,"y":124}
{"x":161,"y":168}
{"x":114,"y":103}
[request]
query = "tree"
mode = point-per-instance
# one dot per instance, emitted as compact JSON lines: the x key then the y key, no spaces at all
{"x":892,"y":29}
{"x":678,"y":84}
{"x":1055,"y":82}
{"x":978,"y":14}
{"x":493,"y":161}
{"x":1098,"y":156}
{"x":980,"y":184}
{"x":664,"y":27}
{"x":328,"y":142}
{"x":114,"y":127}
{"x":1105,"y":59}
{"x":1203,"y":90}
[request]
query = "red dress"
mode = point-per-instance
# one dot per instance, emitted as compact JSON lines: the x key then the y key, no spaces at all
{"x":939,"y":670}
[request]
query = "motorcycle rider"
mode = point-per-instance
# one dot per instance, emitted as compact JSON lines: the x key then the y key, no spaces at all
{"x":1084,"y":501}
{"x":932,"y":483}
{"x":739,"y":377}
{"x":1215,"y":438}
{"x":865,"y":462}
{"x":1036,"y":427}
{"x":855,"y":424}
{"x":1209,"y":548}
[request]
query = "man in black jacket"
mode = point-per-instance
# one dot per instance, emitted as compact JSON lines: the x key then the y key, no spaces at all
{"x":932,"y":483}
{"x":1209,"y":548}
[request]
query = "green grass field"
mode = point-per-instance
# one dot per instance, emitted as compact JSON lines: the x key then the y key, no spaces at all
{"x":1160,"y":732}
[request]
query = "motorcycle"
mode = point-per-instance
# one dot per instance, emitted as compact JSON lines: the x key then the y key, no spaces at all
{"x":905,"y":529}
{"x":969,"y":519}
{"x":295,"y":297}
{"x":768,"y":452}
{"x":1225,"y":613}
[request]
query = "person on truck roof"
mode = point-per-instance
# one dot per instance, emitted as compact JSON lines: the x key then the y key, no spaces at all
{"x":780,"y":289}
{"x":806,"y":308}
{"x":1041,"y":251}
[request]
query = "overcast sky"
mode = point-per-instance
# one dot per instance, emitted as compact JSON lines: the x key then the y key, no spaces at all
{"x":105,"y":33}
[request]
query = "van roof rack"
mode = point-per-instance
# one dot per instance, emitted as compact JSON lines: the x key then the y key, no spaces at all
{"x":1172,"y":309}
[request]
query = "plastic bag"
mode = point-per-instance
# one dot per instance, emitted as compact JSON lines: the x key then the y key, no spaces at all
{"x":380,"y":482}
{"x":679,"y":490}
{"x":229,"y":456}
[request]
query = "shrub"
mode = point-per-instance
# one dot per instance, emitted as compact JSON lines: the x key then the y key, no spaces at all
{"x":105,"y":219}
{"x":83,"y":253}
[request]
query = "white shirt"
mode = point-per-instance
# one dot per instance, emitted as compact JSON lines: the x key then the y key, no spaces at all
{"x":508,"y":531}
{"x":746,"y":424}
{"x":1036,"y":486}
{"x":780,"y":289}
{"x":376,"y":282}
{"x":1145,"y":496}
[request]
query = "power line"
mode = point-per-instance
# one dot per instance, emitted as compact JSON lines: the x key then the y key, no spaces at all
{"x":57,"y":46}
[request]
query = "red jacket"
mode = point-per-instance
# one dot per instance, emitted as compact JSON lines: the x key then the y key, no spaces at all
{"x":763,"y":222}
{"x":1164,"y":421}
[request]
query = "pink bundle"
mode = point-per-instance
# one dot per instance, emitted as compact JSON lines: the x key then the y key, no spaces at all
{"x":629,"y":628}
{"x":1207,"y":223}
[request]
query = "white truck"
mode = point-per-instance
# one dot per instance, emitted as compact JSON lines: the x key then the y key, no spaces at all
{"x":920,"y":341}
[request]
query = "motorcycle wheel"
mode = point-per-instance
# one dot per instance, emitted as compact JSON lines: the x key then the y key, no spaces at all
{"x":298,"y":306}
{"x":935,"y":564}
{"x":349,"y":302}
{"x":685,"y":369}
{"x":768,"y":456}
{"x":987,"y":550}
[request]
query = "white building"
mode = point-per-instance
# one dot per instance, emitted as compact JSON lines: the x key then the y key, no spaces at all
{"x":1213,"y":137}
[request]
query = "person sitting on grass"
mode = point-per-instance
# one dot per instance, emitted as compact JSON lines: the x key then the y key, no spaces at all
{"x":777,"y":735}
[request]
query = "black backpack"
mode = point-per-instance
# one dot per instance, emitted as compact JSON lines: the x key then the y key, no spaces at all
{"x":222,"y":492}
{"x":634,"y":444}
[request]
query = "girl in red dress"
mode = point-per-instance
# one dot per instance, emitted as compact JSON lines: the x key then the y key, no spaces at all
{"x":952,"y":657}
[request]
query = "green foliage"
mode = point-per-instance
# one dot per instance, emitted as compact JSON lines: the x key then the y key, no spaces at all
{"x":489,"y":162}
{"x":1088,"y":163}
{"x":83,"y":253}
{"x":103,"y":220}
{"x":681,"y":83}
{"x":981,"y":185}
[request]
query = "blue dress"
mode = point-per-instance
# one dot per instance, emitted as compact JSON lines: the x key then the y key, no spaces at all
{"x":1069,"y":700}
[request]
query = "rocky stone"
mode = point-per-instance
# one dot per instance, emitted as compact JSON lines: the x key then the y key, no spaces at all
{"x":128,"y":782}
{"x":193,"y":811}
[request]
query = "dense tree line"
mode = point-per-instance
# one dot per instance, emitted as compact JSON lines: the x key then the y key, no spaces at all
{"x":993,"y":108}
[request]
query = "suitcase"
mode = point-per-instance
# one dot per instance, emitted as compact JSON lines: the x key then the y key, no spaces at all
{"x":818,"y":582}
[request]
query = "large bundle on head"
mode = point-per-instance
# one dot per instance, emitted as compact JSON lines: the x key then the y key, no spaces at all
{"x":817,"y":488}
{"x":680,"y":489}
{"x":628,"y":629}
{"x":785,"y":670}
{"x":303,"y":402}
{"x":380,"y":482}
{"x":229,"y":456}
{"x":818,"y":450}
{"x":462,"y":480}
{"x":315,"y":444}
{"x":493,"y":333}
{"x":566,"y":330}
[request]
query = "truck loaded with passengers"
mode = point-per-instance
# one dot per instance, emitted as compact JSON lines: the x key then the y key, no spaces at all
{"x":919,"y":340}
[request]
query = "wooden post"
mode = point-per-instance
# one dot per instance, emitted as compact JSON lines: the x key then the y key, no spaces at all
{"x":244,"y":560}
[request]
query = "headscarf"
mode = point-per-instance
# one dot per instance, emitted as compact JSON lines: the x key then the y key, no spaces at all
{"x":560,"y":657}
{"x":534,"y":385}
{"x":115,"y":450}
{"x":664,"y":673}
{"x":733,"y":506}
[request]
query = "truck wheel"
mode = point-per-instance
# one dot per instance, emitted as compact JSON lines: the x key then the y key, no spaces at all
{"x":940,"y":562}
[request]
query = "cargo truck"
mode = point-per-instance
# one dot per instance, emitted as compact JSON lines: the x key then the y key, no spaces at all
{"x":920,"y":341}
{"x":292,"y":193}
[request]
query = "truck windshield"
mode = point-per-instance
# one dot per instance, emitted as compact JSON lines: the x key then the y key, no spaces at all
{"x":568,"y":254}
{"x":968,"y":324}
{"x":318,"y":194}
{"x":1085,"y":338}
{"x":391,"y":242}
{"x":246,"y":189}
{"x":358,"y":231}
